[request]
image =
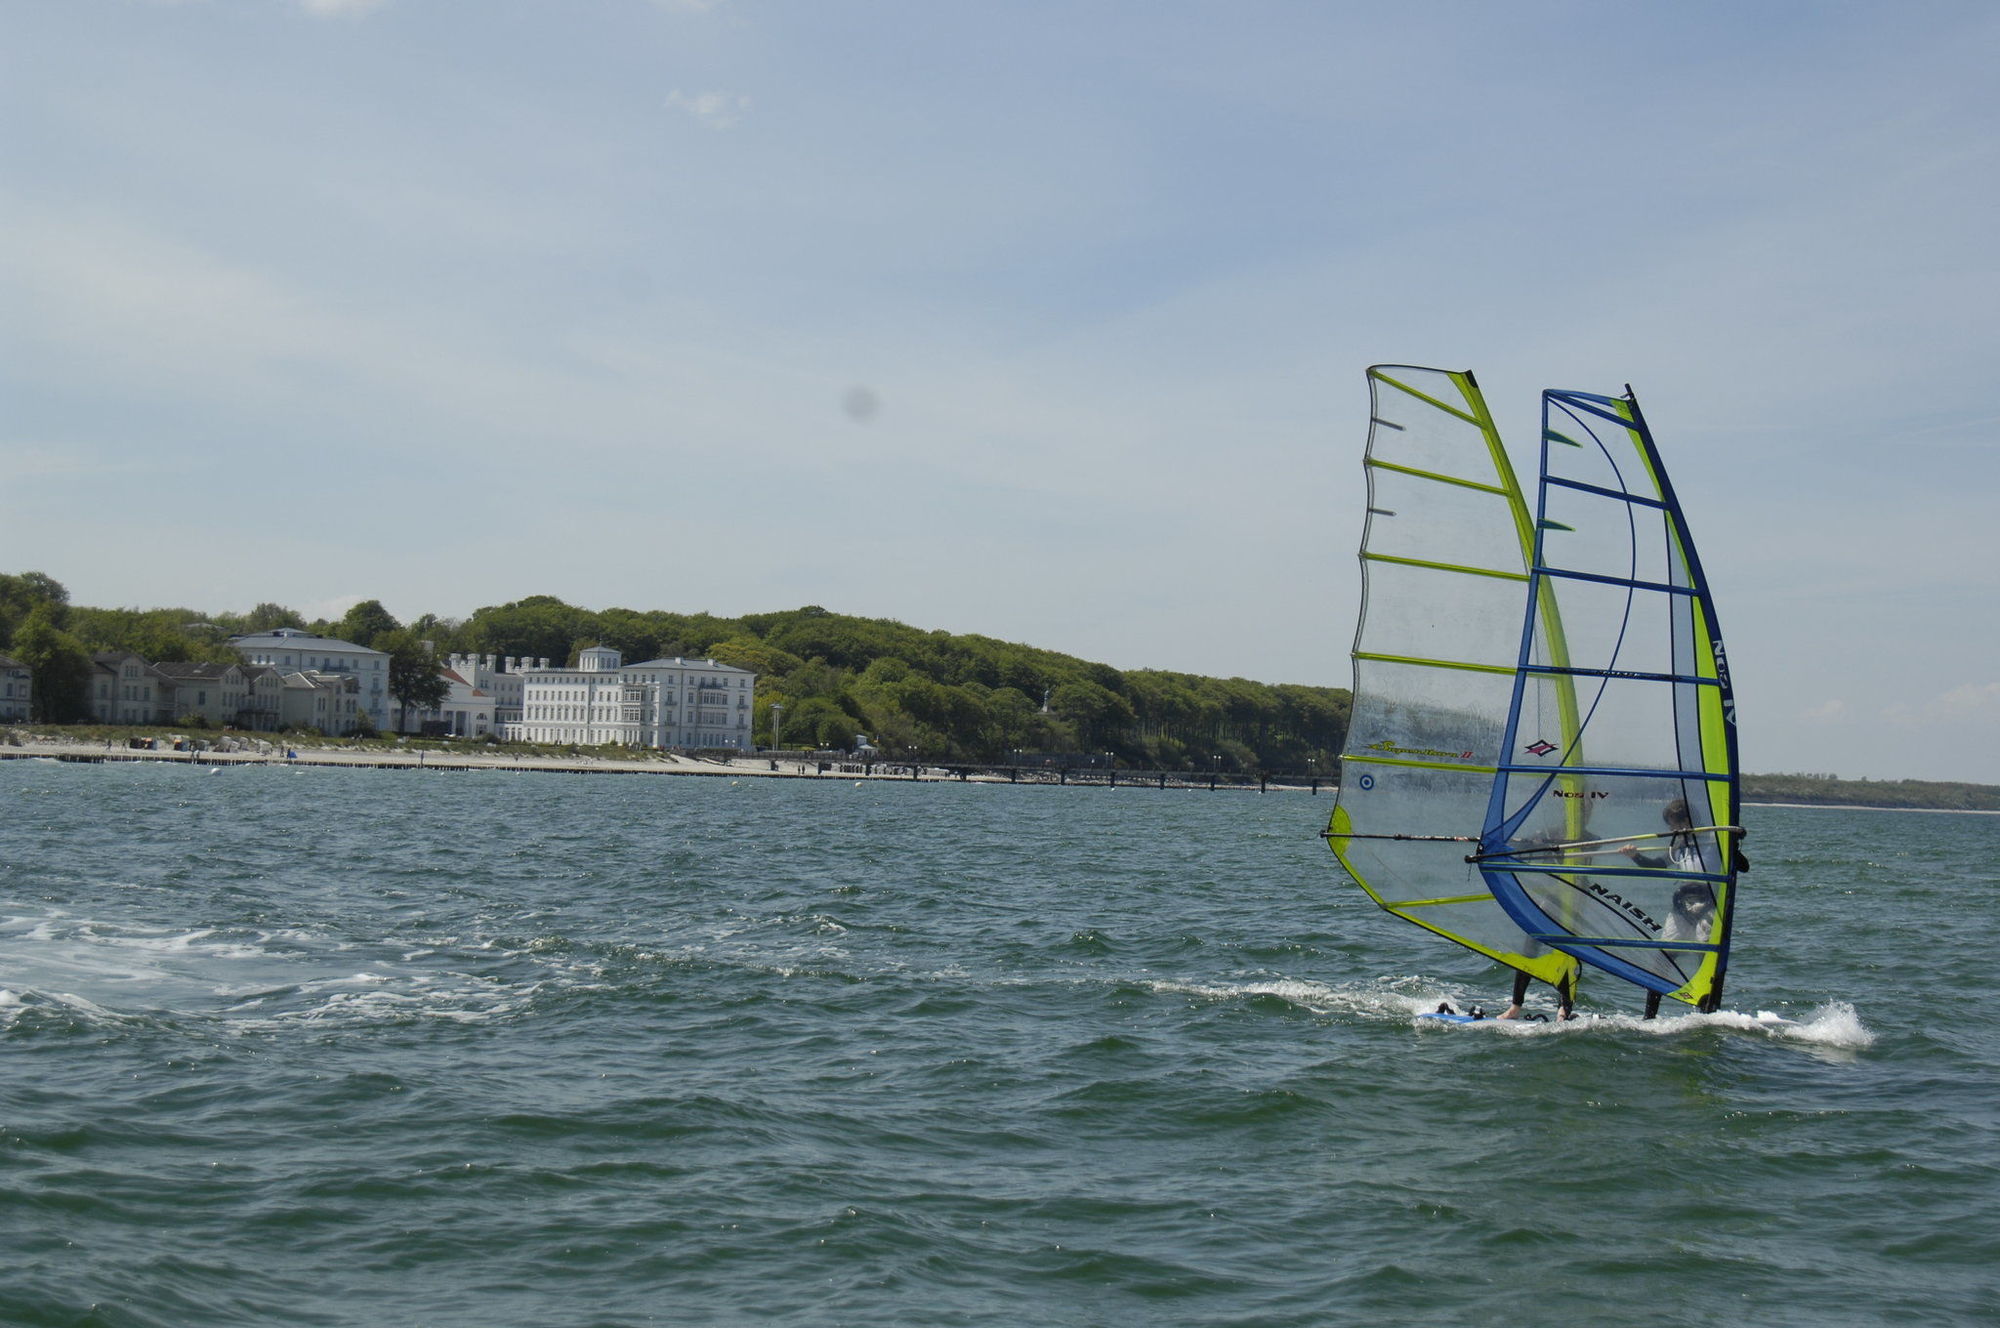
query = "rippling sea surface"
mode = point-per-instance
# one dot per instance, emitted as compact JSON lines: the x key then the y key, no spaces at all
{"x":352,"y":1047}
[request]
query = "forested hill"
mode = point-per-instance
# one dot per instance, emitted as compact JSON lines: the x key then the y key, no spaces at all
{"x":938,"y":694}
{"x":929,"y":694}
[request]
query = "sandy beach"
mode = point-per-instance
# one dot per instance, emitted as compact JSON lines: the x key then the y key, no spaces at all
{"x":652,"y":763}
{"x":45,"y":747}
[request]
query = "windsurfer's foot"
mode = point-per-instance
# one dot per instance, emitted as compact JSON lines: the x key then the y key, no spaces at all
{"x":1511,"y":1012}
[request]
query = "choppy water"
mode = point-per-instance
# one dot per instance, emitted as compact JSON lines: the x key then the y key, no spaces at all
{"x":319,"y":1047}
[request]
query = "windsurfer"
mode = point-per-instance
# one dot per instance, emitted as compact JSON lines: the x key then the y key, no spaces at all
{"x":1682,"y":850}
{"x":1565,"y":1008}
{"x":1694,"y":907}
{"x":1549,"y":839}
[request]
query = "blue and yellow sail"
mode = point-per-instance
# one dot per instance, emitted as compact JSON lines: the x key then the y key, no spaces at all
{"x":1612,"y":829}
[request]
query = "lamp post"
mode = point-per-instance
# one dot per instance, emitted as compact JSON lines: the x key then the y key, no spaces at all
{"x":777,"y":721}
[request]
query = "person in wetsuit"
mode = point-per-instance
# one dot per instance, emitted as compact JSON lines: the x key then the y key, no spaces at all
{"x":1694,"y":902}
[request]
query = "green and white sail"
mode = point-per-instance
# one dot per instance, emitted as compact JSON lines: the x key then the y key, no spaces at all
{"x":1445,"y":561}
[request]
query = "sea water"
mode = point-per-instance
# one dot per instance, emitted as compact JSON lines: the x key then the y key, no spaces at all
{"x":352,"y":1047}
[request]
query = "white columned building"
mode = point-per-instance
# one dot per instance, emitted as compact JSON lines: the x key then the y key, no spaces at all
{"x":687,"y":703}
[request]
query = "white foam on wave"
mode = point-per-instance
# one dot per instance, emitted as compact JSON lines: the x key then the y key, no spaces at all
{"x":1833,"y":1026}
{"x":1318,"y":997}
{"x":15,"y":1005}
{"x":114,"y":972}
{"x":105,"y":941}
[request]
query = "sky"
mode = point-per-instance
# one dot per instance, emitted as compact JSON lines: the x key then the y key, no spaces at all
{"x":1045,"y":321}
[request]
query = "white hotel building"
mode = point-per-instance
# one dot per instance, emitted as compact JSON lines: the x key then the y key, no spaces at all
{"x":684,"y":703}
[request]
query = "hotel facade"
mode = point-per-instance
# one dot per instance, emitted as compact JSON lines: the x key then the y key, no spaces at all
{"x":686,"y":703}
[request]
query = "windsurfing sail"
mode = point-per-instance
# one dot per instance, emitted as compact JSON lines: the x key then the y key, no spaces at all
{"x":1611,"y":829}
{"x":1444,"y":573}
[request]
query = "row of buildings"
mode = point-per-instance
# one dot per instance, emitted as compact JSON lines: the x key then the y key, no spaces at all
{"x":293,"y":679}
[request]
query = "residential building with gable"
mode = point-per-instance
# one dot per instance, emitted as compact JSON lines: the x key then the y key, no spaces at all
{"x":126,"y":689}
{"x":263,"y":698}
{"x":329,"y":702}
{"x":17,"y":690}
{"x":215,"y":692}
{"x":291,"y":650}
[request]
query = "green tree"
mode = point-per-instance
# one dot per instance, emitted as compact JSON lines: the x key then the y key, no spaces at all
{"x":540,"y":627}
{"x":448,"y":635}
{"x":154,"y":634}
{"x":416,"y":677}
{"x":366,"y":621}
{"x":268,"y":617}
{"x":21,"y":595}
{"x":747,"y":652}
{"x":60,"y":665}
{"x":1098,"y":714}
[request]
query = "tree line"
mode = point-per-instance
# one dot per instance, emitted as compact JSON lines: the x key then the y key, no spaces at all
{"x":824,"y":678}
{"x":1830,"y":791}
{"x":56,"y":640}
{"x":931,"y":695}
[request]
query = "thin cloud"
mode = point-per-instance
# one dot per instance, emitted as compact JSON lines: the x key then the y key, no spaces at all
{"x":339,"y":8}
{"x":332,"y":609}
{"x":714,"y":110}
{"x":1978,"y":702}
{"x":1969,"y":704}
{"x":28,"y":461}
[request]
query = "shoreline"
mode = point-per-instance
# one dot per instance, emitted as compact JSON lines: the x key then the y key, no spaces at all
{"x":664,"y":763}
{"x":1868,"y":807}
{"x":751,"y":767}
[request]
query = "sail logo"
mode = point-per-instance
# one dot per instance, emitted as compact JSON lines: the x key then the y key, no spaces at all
{"x":1389,"y":747}
{"x":1592,"y":794}
{"x":1540,"y":747}
{"x":1722,"y":676}
{"x":1612,"y":899}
